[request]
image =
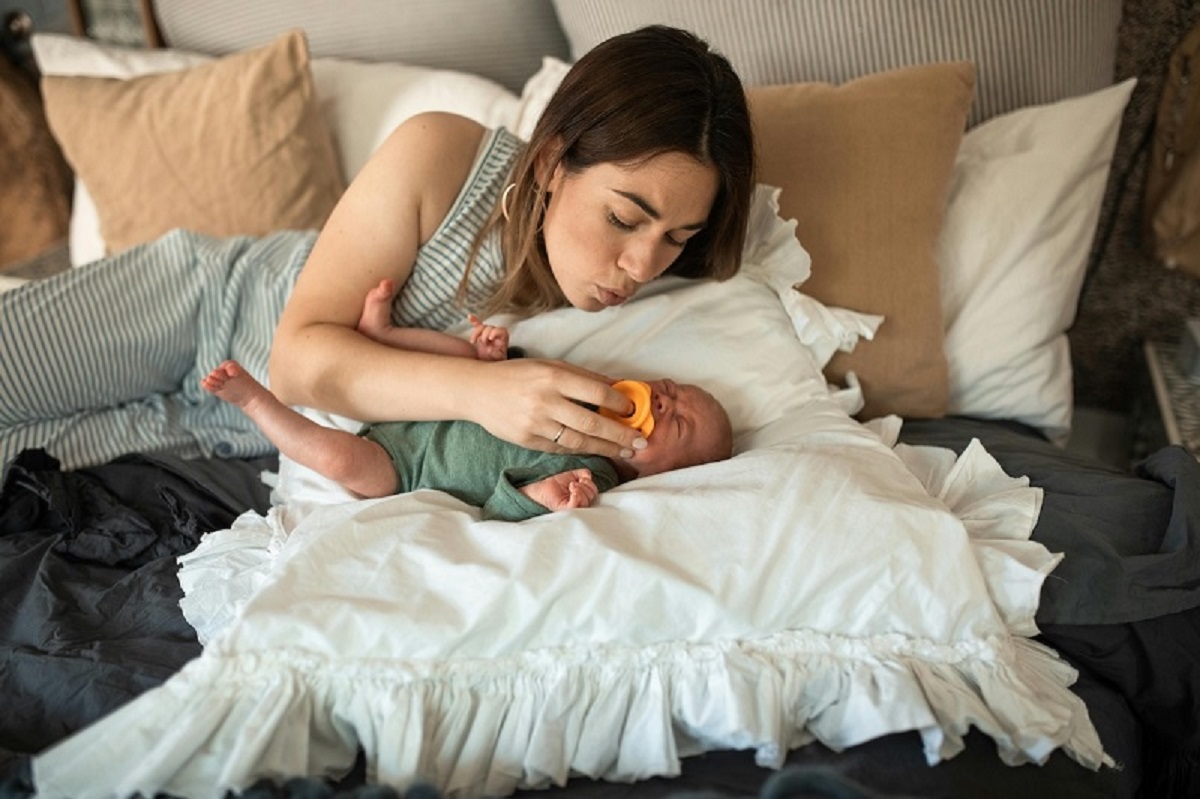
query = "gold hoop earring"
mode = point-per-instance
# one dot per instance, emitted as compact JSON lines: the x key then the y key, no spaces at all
{"x":508,"y":190}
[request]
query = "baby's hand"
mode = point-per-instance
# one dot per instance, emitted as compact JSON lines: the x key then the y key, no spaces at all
{"x":563,"y":491}
{"x":491,"y":341}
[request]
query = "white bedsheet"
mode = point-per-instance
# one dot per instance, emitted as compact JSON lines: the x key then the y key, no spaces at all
{"x":823,"y":584}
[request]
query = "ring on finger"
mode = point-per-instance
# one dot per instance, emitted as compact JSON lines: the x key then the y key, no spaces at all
{"x":561,"y":429}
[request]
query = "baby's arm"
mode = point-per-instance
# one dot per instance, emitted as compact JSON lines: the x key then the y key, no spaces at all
{"x":487,"y":342}
{"x":574,"y":488}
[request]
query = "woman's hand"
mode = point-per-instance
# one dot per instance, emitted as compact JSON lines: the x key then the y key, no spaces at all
{"x":539,"y":404}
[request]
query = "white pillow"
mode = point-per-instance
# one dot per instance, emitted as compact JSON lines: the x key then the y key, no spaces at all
{"x":362,"y":103}
{"x":537,"y":92}
{"x":1024,"y":203}
{"x":365,"y":102}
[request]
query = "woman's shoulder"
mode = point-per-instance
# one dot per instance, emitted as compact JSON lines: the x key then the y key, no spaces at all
{"x":440,"y":132}
{"x":435,"y":151}
{"x":432,"y":145}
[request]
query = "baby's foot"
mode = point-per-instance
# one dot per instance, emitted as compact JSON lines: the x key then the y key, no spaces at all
{"x":376,"y":316}
{"x":232,"y":383}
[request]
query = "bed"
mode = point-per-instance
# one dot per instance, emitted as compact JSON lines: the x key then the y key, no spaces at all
{"x":902,"y":584}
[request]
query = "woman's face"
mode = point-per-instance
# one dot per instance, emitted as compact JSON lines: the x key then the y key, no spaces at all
{"x":611,"y":228}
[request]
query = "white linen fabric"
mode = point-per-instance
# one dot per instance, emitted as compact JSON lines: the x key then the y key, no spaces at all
{"x":1024,"y":203}
{"x":823,"y":584}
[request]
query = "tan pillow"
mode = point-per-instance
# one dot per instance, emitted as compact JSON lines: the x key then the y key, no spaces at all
{"x":235,"y":146}
{"x":865,"y":170}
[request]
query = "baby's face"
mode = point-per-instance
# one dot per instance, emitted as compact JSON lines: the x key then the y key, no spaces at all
{"x":690,"y":428}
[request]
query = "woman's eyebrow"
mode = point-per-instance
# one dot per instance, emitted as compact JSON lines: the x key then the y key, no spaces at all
{"x":651,"y":211}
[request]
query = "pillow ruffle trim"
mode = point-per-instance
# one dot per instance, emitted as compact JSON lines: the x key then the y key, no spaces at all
{"x":774,"y":257}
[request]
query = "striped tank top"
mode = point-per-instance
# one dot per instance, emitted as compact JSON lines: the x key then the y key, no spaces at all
{"x":428,"y":299}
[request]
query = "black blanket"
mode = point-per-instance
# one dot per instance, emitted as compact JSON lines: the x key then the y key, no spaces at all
{"x":89,"y":614}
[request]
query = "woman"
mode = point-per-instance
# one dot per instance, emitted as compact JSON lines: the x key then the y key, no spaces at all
{"x":642,"y":163}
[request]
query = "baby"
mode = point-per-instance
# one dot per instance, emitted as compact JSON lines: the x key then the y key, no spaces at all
{"x":461,"y":458}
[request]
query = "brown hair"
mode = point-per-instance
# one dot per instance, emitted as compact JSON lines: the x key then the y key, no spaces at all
{"x":637,"y":95}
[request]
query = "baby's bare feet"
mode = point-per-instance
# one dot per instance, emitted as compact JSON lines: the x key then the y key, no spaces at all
{"x":232,"y":383}
{"x":376,"y":317}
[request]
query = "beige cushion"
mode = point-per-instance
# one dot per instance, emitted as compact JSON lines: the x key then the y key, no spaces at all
{"x":865,"y":169}
{"x":236,"y":146}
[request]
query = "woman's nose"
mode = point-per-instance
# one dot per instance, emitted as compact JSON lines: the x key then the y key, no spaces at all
{"x":637,"y":261}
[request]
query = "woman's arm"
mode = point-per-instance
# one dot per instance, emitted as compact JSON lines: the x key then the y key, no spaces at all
{"x":320,"y":360}
{"x":317,"y":357}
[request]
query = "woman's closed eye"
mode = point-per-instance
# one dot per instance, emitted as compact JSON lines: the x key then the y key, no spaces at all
{"x":621,"y":224}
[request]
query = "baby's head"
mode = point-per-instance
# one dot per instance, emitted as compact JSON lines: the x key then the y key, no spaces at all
{"x":690,"y":428}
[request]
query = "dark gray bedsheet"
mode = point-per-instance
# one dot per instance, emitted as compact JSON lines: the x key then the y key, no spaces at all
{"x":1124,"y":605}
{"x":89,"y":618}
{"x":1132,"y":545}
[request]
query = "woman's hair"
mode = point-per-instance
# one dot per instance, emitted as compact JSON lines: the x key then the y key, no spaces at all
{"x":635,"y":96}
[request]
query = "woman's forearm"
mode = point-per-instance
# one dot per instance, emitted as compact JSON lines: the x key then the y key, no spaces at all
{"x":337,"y":369}
{"x":419,"y":339}
{"x":527,"y":401}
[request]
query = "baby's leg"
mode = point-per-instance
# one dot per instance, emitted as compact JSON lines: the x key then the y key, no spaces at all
{"x":353,"y":462}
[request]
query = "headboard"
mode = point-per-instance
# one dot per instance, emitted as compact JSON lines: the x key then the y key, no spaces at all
{"x":1026,"y":52}
{"x":504,"y":40}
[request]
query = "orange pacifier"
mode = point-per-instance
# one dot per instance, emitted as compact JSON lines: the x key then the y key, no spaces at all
{"x":639,"y":393}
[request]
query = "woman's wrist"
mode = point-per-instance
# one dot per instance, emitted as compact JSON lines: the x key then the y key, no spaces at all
{"x":464,"y":387}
